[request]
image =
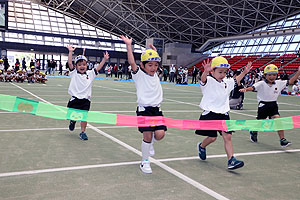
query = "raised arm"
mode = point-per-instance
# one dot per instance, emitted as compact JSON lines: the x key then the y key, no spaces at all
{"x":71,"y":50}
{"x":130,"y":56}
{"x":103,"y":61}
{"x":207,"y":67}
{"x":246,"y":89}
{"x":292,"y":80}
{"x":246,"y":71}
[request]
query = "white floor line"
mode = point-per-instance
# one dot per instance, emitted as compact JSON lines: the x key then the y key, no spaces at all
{"x":31,"y":94}
{"x":236,"y":154}
{"x":51,"y":170}
{"x":8,"y":174}
{"x":165,"y":167}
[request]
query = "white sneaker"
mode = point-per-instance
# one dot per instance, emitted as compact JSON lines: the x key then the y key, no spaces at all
{"x":145,"y":167}
{"x":152,"y":152}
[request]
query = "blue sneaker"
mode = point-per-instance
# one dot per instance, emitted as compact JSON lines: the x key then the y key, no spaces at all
{"x":83,"y":136}
{"x":284,"y":143}
{"x":72,"y":125}
{"x":233,"y":163}
{"x":202,"y":152}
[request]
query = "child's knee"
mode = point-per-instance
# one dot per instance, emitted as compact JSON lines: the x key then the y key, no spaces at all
{"x":226,"y":136}
{"x":159,"y":134}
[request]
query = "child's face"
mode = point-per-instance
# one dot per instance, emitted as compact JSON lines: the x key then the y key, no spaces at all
{"x":150,"y":67}
{"x":271,"y":77}
{"x":81,"y":66}
{"x":219,"y":73}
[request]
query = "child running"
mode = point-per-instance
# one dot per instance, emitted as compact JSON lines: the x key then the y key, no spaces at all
{"x":268,"y":91}
{"x":215,"y":105}
{"x":149,"y":97}
{"x":80,"y":87}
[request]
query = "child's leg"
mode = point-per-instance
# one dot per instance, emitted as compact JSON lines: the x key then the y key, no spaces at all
{"x":146,"y":143}
{"x":83,"y":126}
{"x":283,"y":141}
{"x":207,"y":141}
{"x":227,"y":144}
{"x":156,"y":136}
{"x":281,"y":132}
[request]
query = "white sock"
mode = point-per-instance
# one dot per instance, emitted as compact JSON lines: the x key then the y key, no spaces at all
{"x":151,"y":151}
{"x":145,"y":150}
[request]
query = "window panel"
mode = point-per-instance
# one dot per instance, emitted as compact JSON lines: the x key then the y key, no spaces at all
{"x":29,"y":26}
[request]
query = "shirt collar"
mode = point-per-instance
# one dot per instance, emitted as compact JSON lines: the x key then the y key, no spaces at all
{"x":267,"y":82}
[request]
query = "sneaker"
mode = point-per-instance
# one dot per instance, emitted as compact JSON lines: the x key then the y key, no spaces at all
{"x":152,"y":152}
{"x":72,"y":125}
{"x":201,"y":151}
{"x":253,"y":136}
{"x":145,"y":167}
{"x":233,"y":163}
{"x":83,"y":136}
{"x":284,"y":142}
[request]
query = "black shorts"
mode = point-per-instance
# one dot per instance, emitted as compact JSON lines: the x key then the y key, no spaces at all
{"x":212,"y":116}
{"x":267,"y":109}
{"x":82,"y":104}
{"x":150,"y":111}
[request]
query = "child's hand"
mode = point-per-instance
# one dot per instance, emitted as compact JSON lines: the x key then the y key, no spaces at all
{"x":126,"y":40}
{"x":243,"y":90}
{"x":248,"y":67}
{"x":206,"y":65}
{"x":70,"y":48}
{"x":152,"y":47}
{"x":106,"y":55}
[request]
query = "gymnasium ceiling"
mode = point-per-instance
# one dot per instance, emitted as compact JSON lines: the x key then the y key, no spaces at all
{"x":187,"y":21}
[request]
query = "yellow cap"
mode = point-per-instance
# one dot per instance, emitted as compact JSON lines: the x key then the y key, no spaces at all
{"x":0,"y":71}
{"x":150,"y":55}
{"x":271,"y":69}
{"x":19,"y":71}
{"x":220,"y":62}
{"x":32,"y":67}
{"x":1,"y":60}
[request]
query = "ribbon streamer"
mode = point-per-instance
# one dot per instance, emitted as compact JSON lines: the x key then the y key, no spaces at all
{"x":22,"y":105}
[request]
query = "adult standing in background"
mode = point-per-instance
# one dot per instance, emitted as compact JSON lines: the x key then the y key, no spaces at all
{"x":31,"y":64}
{"x":17,"y":65}
{"x":194,"y":74}
{"x":116,"y":70}
{"x":120,"y":71}
{"x":24,"y":64}
{"x":172,"y":73}
{"x":106,"y":70}
{"x":165,"y":72}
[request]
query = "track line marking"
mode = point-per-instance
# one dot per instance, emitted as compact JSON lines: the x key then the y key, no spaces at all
{"x":51,"y":170}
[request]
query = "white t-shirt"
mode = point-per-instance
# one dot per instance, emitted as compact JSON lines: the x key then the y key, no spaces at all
{"x":216,"y":94}
{"x":81,"y":84}
{"x":266,"y":92}
{"x":148,"y":89}
{"x":172,"y":69}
